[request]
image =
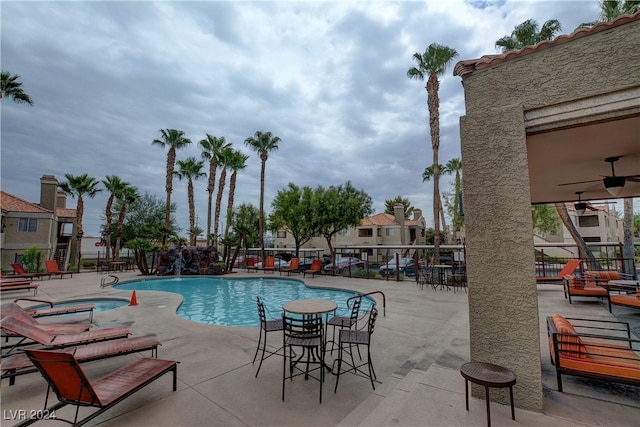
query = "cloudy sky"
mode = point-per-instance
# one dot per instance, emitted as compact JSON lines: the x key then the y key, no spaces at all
{"x":328,"y":78}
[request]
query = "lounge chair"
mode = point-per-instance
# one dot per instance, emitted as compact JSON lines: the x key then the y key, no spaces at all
{"x":72,"y":387}
{"x":29,"y":332}
{"x":294,"y":267}
{"x":19,"y":364}
{"x":53,"y":269}
{"x":269,"y":264}
{"x":19,"y":285}
{"x":19,"y":271}
{"x":57,"y":311}
{"x":11,"y":309}
{"x":316,"y":268}
{"x":568,"y":268}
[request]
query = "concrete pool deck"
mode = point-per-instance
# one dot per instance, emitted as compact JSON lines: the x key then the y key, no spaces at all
{"x":417,"y":350}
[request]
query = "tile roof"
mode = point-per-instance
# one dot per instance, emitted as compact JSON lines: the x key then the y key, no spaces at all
{"x":66,"y":213}
{"x":382,"y":219}
{"x":11,"y":203}
{"x":463,"y":68}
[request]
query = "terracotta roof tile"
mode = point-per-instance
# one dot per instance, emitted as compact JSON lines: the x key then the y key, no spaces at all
{"x":66,"y":213}
{"x":382,"y":219}
{"x":11,"y":203}
{"x":468,"y":66}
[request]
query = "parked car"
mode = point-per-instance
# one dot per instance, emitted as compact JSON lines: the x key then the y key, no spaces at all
{"x":405,"y":265}
{"x":344,"y":264}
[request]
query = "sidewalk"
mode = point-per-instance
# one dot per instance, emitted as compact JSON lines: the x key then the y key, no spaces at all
{"x":417,"y":350}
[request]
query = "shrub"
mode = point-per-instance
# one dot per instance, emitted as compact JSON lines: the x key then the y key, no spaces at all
{"x":30,"y":259}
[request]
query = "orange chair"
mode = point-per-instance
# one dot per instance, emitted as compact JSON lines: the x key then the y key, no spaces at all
{"x":65,"y":376}
{"x":568,"y":268}
{"x":53,"y":269}
{"x":316,"y":268}
{"x":294,"y":266}
{"x":19,"y":271}
{"x":269,"y":264}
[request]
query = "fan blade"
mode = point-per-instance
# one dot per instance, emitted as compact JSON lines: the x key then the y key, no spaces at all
{"x":634,"y":178}
{"x":579,"y":182}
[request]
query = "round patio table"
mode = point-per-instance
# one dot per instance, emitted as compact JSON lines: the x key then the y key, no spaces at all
{"x":488,"y":375}
{"x":310,"y":306}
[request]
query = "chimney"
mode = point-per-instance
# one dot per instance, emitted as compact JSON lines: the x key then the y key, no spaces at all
{"x":417,"y":214}
{"x":61,"y":199}
{"x":398,"y":214}
{"x":48,"y":192}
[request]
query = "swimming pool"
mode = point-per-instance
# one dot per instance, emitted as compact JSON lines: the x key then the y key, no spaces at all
{"x":232,"y":301}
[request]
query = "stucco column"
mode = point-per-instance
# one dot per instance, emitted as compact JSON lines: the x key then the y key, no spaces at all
{"x":503,"y":302}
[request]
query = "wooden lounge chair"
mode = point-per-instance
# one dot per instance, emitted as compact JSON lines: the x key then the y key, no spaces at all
{"x":53,"y":269}
{"x":568,"y":268}
{"x":316,"y":268}
{"x":19,"y":271}
{"x":57,"y":311}
{"x":19,"y":364}
{"x":23,"y":285}
{"x":72,"y":387}
{"x":28,"y":332}
{"x":269,"y":264}
{"x":294,"y":267}
{"x":11,"y":309}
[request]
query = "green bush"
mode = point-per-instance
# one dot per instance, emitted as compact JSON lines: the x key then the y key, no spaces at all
{"x":29,"y":259}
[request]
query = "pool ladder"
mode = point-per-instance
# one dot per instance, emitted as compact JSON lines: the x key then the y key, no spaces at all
{"x":104,"y":283}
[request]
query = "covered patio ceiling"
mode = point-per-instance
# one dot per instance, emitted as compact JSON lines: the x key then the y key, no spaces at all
{"x":577,"y":154}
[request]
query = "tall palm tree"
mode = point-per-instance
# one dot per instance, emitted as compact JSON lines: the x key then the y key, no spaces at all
{"x":527,"y":34}
{"x":129,"y":194}
{"x":11,"y":87}
{"x":611,"y":9}
{"x":431,"y":64}
{"x":211,"y":148}
{"x":114,"y":186}
{"x":224,"y":157}
{"x":262,"y":143}
{"x":78,"y":187}
{"x":426,"y":176}
{"x":238,"y":161}
{"x":191,"y":169}
{"x":175,"y":140}
{"x":455,"y":166}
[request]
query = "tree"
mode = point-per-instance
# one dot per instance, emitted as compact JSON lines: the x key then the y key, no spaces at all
{"x":262,"y":143}
{"x":244,"y":222}
{"x":190,"y":169}
{"x":426,"y":176}
{"x":114,"y":186}
{"x":338,"y":208}
{"x":78,"y":187}
{"x":399,"y":200}
{"x":527,"y":34}
{"x":211,"y":148}
{"x":293,"y":211}
{"x":129,"y":194}
{"x":611,"y":9}
{"x":431,"y":64}
{"x":455,"y":166}
{"x":175,"y":140}
{"x":584,"y":250}
{"x":546,"y":219}
{"x":224,"y":158}
{"x":12,"y":88}
{"x":237,"y":161}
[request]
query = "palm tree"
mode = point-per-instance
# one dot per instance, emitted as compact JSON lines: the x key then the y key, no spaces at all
{"x":223,"y":161}
{"x":262,"y":143}
{"x":175,"y":140}
{"x":237,"y":161}
{"x":399,"y":200}
{"x":426,"y":176}
{"x":11,"y":87}
{"x":433,"y":63}
{"x":611,"y":9}
{"x":191,"y":169}
{"x":527,"y":34}
{"x":455,"y":166}
{"x":114,"y":186}
{"x":78,"y":187}
{"x":211,"y":148}
{"x":129,"y":194}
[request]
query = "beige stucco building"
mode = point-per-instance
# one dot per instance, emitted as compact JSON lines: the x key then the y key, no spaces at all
{"x":536,"y":118}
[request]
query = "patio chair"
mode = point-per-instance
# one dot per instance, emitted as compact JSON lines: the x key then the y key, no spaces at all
{"x":269,"y":264}
{"x":294,"y":267}
{"x":57,"y":311}
{"x":316,"y":268}
{"x":345,"y":320}
{"x":19,"y":364}
{"x":266,"y":325}
{"x":306,"y":333}
{"x":11,"y":309}
{"x":53,"y":269}
{"x":350,"y":337}
{"x":19,"y":271}
{"x":36,"y":334}
{"x":19,"y":285}
{"x":72,"y":387}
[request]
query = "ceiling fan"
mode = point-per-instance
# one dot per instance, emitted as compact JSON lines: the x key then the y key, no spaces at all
{"x":614,"y":184}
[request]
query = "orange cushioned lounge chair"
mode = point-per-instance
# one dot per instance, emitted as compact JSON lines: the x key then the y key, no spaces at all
{"x":601,"y":349}
{"x":577,"y":287}
{"x":72,"y":387}
{"x":19,"y":271}
{"x":629,"y":300}
{"x":316,"y":268}
{"x":53,"y":269}
{"x":568,"y":268}
{"x":294,"y":267}
{"x":269,"y":264}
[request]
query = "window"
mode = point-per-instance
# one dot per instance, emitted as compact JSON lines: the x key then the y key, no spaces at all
{"x":281,"y":235}
{"x":389,"y":232}
{"x":588,"y":221}
{"x":28,"y":225}
{"x":365,"y":232}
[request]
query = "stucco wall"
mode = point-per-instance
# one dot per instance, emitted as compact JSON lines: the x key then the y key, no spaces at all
{"x":503,"y":306}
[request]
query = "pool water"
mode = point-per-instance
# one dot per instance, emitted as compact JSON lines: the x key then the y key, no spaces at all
{"x":232,"y":302}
